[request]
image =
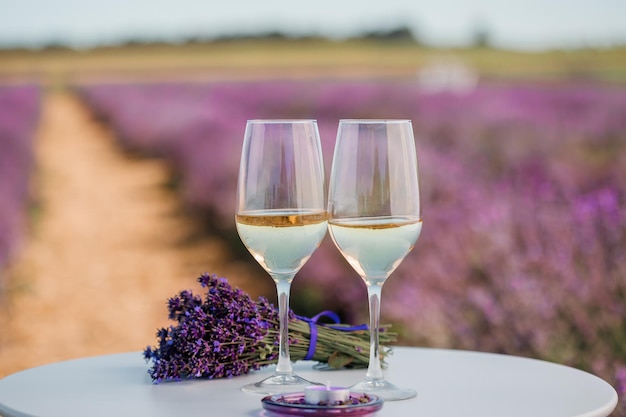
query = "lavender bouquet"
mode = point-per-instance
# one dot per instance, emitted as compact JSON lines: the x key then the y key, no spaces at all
{"x":227,"y":333}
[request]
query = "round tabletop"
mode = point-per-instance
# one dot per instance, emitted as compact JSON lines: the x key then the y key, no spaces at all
{"x":449,"y":383}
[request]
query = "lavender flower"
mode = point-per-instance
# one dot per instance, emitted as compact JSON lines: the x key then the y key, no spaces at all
{"x":226,"y":334}
{"x":19,"y":115}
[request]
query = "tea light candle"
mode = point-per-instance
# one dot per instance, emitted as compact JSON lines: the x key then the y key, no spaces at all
{"x":325,"y":394}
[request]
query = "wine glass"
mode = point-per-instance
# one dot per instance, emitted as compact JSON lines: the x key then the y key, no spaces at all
{"x":374,"y":217}
{"x":281,"y":217}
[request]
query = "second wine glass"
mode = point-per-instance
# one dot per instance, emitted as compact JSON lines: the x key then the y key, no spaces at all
{"x":281,"y":217}
{"x":374,"y":216}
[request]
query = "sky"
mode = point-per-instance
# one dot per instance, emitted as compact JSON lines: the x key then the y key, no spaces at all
{"x":516,"y":24}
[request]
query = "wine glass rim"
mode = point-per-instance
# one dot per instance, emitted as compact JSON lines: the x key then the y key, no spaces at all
{"x":372,"y":121}
{"x":280,"y":121}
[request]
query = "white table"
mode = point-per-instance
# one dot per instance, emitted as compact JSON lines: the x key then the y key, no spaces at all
{"x":449,"y":384}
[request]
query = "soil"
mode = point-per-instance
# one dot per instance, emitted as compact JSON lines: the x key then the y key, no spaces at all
{"x":110,"y":242}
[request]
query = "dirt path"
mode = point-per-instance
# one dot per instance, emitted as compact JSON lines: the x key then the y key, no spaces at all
{"x":108,"y":247}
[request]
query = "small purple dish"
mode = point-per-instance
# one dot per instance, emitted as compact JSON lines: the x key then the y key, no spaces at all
{"x":294,"y":404}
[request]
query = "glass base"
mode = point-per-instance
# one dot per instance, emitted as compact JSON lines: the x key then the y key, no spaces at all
{"x":278,"y":384}
{"x":383,"y":389}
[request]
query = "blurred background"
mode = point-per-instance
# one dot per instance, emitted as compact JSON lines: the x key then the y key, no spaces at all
{"x":121,"y":125}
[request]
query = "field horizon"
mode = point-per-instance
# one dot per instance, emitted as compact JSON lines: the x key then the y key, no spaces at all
{"x":300,"y":58}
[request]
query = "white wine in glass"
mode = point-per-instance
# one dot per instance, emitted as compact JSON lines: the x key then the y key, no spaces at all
{"x":374,"y":217}
{"x":281,"y":217}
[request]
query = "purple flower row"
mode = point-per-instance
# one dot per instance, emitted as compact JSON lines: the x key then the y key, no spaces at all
{"x":19,"y":114}
{"x":524,"y":188}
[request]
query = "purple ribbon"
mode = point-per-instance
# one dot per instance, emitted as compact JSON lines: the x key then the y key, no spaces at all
{"x":313,"y":322}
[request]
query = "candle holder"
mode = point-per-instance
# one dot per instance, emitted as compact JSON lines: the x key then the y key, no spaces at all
{"x":295,"y":404}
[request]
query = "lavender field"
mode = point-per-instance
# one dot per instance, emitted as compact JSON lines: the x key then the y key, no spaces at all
{"x":523,"y":249}
{"x":19,"y":114}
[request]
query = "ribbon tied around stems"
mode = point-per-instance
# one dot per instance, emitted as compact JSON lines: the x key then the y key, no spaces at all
{"x":313,"y":322}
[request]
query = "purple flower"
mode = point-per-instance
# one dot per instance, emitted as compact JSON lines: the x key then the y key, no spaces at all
{"x":226,"y":334}
{"x":19,"y":115}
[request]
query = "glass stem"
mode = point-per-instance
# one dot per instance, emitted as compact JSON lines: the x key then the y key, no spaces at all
{"x":374,"y":370}
{"x":283,"y":285}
